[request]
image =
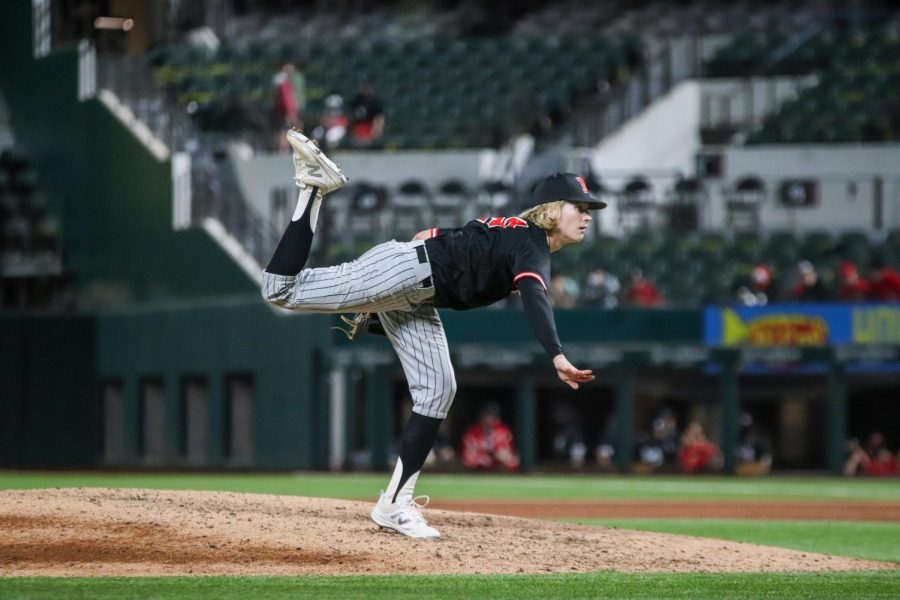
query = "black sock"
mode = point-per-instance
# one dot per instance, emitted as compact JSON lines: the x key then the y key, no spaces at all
{"x":293,"y":248}
{"x":418,"y":438}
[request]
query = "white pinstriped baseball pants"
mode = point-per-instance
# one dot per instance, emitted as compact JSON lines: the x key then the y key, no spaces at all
{"x":386,"y":280}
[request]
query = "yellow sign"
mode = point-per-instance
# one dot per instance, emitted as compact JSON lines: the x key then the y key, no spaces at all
{"x":774,"y":330}
{"x":876,"y":325}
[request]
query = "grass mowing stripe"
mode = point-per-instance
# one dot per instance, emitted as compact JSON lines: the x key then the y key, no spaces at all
{"x":872,"y":584}
{"x":455,"y":487}
{"x":878,"y":541}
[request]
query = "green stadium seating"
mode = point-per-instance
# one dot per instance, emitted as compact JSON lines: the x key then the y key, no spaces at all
{"x":858,"y":94}
{"x":501,"y":84}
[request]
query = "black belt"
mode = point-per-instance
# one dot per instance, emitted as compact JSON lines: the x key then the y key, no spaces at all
{"x":423,"y":258}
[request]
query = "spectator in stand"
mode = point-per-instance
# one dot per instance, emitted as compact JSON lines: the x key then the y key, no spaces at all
{"x":568,"y":434}
{"x":488,"y":444}
{"x":874,"y":459}
{"x":851,"y":287}
{"x":753,"y":447}
{"x":882,"y":464}
{"x":366,"y":116}
{"x":756,"y":291}
{"x":660,"y":446}
{"x":290,"y":96}
{"x":809,"y":287}
{"x":641,"y":292}
{"x":876,"y":443}
{"x":605,"y":450}
{"x":884,"y":282}
{"x":563,"y":291}
{"x":601,"y":289}
{"x":333,"y":125}
{"x":697,"y":453}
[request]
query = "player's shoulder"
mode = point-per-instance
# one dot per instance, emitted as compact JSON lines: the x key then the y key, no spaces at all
{"x":504,"y":224}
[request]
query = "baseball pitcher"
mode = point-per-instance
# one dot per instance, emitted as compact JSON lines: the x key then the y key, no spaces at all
{"x":404,"y":283}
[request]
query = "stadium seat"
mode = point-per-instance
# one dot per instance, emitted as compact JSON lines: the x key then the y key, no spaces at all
{"x":366,"y":219}
{"x":410,"y":209}
{"x":817,"y":246}
{"x":743,"y":203}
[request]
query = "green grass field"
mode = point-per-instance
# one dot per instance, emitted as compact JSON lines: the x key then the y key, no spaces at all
{"x":456,"y":487}
{"x":859,"y":539}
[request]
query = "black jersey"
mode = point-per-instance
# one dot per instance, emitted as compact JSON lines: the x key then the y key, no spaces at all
{"x":481,"y":263}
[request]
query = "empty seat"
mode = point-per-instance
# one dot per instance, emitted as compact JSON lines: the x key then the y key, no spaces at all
{"x":410,"y":209}
{"x":451,"y":206}
{"x":743,"y":203}
{"x":366,"y":217}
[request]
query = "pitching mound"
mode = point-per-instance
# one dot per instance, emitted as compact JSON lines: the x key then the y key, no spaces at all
{"x":146,"y":532}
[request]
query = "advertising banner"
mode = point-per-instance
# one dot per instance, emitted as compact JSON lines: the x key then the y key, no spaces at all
{"x":802,"y":325}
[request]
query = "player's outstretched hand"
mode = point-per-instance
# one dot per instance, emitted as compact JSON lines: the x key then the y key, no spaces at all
{"x":569,"y":374}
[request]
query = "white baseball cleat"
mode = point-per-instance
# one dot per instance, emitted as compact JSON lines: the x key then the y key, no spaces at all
{"x":311,"y":167}
{"x":403,"y":517}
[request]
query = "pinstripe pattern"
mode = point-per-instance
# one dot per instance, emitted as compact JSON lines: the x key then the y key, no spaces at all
{"x":385,"y":280}
{"x":387,"y":277}
{"x":418,"y":338}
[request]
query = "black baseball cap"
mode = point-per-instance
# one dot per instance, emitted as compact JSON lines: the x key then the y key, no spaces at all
{"x":565,"y":186}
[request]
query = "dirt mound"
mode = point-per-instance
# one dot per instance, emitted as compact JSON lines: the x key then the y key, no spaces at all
{"x":148,"y":532}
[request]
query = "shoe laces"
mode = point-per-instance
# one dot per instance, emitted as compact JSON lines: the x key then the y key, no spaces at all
{"x":414,"y":507}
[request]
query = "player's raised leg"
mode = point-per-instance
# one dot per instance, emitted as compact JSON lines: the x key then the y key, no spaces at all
{"x":316,"y":175}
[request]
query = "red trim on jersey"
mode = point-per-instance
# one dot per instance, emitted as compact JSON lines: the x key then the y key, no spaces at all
{"x":433,"y":232}
{"x":533,"y":276}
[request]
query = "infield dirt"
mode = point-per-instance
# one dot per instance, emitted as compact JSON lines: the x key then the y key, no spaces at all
{"x":87,"y":532}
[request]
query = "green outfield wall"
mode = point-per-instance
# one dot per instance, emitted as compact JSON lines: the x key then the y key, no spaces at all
{"x":50,"y":415}
{"x":234,"y":384}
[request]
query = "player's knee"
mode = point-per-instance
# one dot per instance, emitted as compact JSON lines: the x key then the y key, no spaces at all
{"x":274,"y":291}
{"x":448,"y":392}
{"x":451,"y":392}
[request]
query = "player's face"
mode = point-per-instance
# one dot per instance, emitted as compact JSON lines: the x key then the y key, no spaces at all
{"x":573,"y":222}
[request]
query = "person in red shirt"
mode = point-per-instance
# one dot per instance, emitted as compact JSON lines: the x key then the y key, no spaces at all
{"x":488,"y":444}
{"x":288,"y":101}
{"x":874,"y":459}
{"x":851,"y":287}
{"x":882,"y":464}
{"x":884,"y":282}
{"x":641,"y":292}
{"x":697,"y":453}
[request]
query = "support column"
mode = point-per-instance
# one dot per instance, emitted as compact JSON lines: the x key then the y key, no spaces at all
{"x":216,"y":420}
{"x":729,"y":396}
{"x":379,"y":415}
{"x":339,"y":384}
{"x":625,"y":374}
{"x":525,"y":422}
{"x":174,"y":419}
{"x":131,"y":421}
{"x":836,"y":416}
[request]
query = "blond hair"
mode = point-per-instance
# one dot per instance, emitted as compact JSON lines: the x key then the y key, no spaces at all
{"x":545,"y":216}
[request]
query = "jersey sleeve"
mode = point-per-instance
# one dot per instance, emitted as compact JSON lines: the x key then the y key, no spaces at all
{"x":528,"y":263}
{"x":540,"y":315}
